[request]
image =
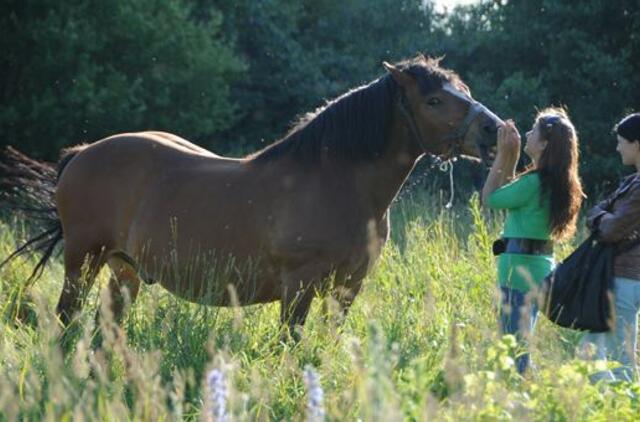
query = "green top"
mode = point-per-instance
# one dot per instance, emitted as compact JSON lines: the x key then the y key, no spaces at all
{"x":526,"y":218}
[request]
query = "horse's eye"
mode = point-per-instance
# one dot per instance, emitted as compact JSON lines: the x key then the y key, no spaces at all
{"x":434,"y":101}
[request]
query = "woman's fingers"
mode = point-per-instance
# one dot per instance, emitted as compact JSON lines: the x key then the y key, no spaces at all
{"x":501,"y":131}
{"x":508,"y":138}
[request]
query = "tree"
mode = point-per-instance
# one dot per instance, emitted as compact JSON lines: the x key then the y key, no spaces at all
{"x":522,"y":56}
{"x":300,"y":53}
{"x":79,"y":70}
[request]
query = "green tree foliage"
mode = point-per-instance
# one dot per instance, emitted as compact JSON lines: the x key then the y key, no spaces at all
{"x":280,"y":76}
{"x":76,"y":71}
{"x":521,"y":56}
{"x":233,"y":75}
{"x":300,"y":53}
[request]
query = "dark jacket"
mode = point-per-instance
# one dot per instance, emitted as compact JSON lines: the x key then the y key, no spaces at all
{"x":617,"y":220}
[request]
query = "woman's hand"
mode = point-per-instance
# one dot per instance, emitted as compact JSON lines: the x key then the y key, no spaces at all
{"x":503,"y":169}
{"x":508,"y":140}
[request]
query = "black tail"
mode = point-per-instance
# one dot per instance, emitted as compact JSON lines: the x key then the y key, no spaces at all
{"x":28,"y":187}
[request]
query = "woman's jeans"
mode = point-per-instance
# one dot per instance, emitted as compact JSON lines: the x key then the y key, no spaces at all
{"x":619,"y":345}
{"x":518,"y":316}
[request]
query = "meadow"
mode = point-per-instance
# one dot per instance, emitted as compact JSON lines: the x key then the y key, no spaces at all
{"x":421,"y":342}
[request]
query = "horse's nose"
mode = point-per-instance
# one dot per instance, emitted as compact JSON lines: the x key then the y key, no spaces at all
{"x":490,"y":126}
{"x":491,"y":121}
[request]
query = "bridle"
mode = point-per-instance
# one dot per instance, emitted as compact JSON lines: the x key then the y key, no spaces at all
{"x":454,"y":139}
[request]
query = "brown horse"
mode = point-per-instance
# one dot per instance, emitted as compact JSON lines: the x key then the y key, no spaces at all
{"x":275,"y":225}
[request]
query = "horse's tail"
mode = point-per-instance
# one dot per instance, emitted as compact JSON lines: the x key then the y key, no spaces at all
{"x":28,"y":186}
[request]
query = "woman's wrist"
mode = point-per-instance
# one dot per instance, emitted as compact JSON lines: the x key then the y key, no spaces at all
{"x":506,"y":164}
{"x":507,"y":157}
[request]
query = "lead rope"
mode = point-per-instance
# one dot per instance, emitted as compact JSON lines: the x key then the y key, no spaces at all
{"x":444,"y":167}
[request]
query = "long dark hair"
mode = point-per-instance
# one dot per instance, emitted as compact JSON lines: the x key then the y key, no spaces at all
{"x":558,"y":171}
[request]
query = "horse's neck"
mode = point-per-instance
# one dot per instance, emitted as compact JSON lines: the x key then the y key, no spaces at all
{"x":382,"y":179}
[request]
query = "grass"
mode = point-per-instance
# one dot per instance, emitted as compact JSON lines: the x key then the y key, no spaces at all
{"x":421,"y":342}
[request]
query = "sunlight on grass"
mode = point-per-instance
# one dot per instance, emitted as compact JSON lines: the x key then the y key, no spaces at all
{"x":419,"y":343}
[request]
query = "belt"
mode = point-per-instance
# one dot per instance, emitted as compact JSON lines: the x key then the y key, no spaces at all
{"x":519,"y":245}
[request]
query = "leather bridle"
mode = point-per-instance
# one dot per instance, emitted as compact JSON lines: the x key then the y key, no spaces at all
{"x":455,"y":138}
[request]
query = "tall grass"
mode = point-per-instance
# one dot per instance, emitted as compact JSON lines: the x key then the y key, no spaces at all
{"x":420,"y":342}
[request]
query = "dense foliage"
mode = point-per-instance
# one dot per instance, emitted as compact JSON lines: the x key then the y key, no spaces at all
{"x":232,"y":76}
{"x":79,"y":70}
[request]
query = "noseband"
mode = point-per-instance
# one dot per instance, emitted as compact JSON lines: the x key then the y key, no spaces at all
{"x":454,"y":139}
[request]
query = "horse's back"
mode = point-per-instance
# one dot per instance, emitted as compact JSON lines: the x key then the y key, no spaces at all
{"x":103,"y":185}
{"x":178,"y":142}
{"x":134,"y":154}
{"x":151,"y":144}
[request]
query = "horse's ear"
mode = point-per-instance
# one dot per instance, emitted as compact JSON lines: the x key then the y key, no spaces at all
{"x":402,"y":78}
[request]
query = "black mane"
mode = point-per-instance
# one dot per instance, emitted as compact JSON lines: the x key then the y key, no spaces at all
{"x":356,"y":124}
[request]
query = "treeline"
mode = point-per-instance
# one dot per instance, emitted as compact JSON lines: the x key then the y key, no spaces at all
{"x":233,"y":75}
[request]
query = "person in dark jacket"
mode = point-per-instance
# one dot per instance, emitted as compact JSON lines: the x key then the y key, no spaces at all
{"x":617,"y":219}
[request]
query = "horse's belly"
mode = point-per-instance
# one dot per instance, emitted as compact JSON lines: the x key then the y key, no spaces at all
{"x":220,"y":297}
{"x":200,"y":278}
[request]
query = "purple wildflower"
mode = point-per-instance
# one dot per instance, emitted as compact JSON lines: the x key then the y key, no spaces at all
{"x":315,"y":395}
{"x":217,"y":385}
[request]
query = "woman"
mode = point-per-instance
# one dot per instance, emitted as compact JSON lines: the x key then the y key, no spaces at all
{"x":542,"y":205}
{"x":617,"y":220}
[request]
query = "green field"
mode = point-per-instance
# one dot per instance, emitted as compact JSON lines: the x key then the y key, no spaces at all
{"x":420,"y":343}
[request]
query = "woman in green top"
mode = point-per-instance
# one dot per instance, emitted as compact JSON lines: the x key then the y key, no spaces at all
{"x":542,"y":205}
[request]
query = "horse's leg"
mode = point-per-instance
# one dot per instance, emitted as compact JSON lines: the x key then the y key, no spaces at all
{"x":124,"y":285}
{"x":298,"y":290}
{"x":81,"y":266}
{"x":123,"y":288}
{"x":343,"y":296}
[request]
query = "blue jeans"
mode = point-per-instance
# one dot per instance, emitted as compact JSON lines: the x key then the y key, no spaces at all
{"x":518,"y":316}
{"x":620,"y":344}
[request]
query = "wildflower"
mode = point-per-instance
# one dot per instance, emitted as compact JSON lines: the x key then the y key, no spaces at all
{"x":218,"y":395}
{"x":315,"y":395}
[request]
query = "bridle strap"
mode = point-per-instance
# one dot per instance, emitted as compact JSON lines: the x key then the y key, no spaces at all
{"x":475,"y":108}
{"x":411,"y":121}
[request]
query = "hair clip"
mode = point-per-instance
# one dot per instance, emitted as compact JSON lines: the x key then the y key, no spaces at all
{"x":549,"y":121}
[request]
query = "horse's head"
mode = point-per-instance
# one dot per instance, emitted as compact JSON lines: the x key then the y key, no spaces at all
{"x":442,"y":114}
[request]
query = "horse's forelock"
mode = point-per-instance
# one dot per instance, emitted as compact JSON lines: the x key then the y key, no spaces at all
{"x":430,"y":75}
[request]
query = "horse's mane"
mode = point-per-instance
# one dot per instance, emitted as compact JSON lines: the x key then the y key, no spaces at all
{"x":355,"y":125}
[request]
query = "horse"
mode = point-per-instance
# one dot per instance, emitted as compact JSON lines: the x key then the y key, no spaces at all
{"x":276,"y":225}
